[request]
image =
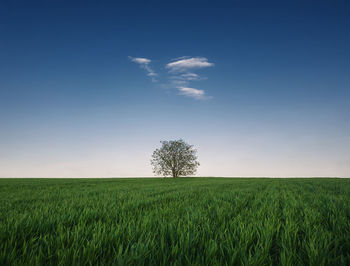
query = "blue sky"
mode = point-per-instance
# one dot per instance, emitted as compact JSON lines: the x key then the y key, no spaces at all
{"x":89,"y":88}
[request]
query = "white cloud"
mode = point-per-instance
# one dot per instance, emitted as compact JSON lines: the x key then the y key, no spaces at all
{"x":185,"y":64}
{"x":151,"y":73}
{"x":140,"y":60}
{"x":190,"y":76}
{"x":180,"y":74}
{"x":144,"y":63}
{"x":192,"y":92}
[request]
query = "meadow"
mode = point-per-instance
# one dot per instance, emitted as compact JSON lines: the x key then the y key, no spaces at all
{"x":197,"y":221}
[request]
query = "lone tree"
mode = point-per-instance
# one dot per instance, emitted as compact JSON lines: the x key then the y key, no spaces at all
{"x":175,"y":158}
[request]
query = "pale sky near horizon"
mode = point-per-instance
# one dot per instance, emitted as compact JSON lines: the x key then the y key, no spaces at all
{"x":89,"y":89}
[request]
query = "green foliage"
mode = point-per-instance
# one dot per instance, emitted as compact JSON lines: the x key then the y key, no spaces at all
{"x":175,"y":158}
{"x":211,"y":221}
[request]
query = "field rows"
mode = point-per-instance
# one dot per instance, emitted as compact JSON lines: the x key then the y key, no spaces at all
{"x":177,"y":221}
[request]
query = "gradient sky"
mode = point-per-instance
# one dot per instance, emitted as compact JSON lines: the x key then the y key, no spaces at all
{"x":90,"y":88}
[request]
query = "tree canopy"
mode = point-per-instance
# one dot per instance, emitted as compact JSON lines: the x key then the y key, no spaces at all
{"x":175,"y":158}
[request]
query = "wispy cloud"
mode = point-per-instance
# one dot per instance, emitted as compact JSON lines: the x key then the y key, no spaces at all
{"x":186,"y":64}
{"x":180,"y":74}
{"x":186,"y":78}
{"x":190,"y":76}
{"x":193,"y":93}
{"x":140,"y":60}
{"x":144,"y":63}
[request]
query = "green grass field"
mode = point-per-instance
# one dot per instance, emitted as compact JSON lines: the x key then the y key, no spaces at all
{"x":175,"y":221}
